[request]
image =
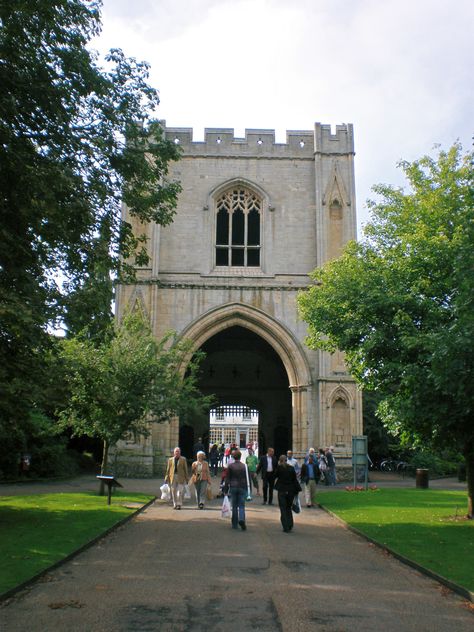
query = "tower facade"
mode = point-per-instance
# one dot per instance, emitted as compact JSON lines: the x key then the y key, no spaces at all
{"x":253,"y":219}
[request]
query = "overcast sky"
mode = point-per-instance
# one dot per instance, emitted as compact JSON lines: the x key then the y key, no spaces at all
{"x":400,"y":70}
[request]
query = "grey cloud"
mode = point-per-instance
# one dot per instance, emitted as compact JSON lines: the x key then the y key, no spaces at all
{"x":159,"y":19}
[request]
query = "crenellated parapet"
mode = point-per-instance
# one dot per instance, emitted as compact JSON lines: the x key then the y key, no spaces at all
{"x":302,"y":144}
{"x":325,"y":142}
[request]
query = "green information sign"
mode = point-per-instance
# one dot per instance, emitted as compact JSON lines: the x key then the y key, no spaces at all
{"x":359,"y":459}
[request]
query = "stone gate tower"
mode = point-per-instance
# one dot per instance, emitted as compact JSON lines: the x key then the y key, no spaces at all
{"x":254,"y":218}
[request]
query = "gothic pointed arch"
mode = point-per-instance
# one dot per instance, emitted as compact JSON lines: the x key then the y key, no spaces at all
{"x":336,"y":201}
{"x":275,"y":333}
{"x":335,"y":192}
{"x":137,"y":303}
{"x":341,"y":424}
{"x":340,"y":392}
{"x":239,"y":182}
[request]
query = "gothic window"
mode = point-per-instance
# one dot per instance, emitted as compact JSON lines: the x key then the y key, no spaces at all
{"x":238,"y":228}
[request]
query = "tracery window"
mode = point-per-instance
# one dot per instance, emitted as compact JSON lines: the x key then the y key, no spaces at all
{"x":238,"y":228}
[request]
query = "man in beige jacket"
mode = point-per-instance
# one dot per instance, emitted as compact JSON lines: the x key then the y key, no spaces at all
{"x":177,"y":476}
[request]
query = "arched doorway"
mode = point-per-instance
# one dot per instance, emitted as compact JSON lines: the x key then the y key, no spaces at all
{"x":254,"y":331}
{"x":241,"y":368}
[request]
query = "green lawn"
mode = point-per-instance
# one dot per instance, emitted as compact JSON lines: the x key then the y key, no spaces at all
{"x":36,"y":531}
{"x":419,"y":524}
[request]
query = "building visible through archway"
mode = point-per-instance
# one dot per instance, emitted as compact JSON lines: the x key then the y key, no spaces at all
{"x":234,"y":424}
{"x":254,"y":218}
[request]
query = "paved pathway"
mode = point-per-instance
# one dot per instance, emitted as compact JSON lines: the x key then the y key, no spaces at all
{"x":189,"y":571}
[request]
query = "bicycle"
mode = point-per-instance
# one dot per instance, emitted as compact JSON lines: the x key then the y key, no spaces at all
{"x":388,"y":465}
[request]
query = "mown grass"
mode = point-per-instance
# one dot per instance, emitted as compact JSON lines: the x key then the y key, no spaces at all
{"x":37,"y":531}
{"x":426,"y":526}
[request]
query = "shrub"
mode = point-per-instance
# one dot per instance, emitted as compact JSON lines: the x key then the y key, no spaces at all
{"x":52,"y":459}
{"x":437,"y":465}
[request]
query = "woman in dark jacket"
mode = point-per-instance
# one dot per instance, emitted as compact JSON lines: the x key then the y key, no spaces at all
{"x":288,"y":487}
{"x":236,"y":483}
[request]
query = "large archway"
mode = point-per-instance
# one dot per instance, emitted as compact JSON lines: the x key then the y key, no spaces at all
{"x":241,"y":368}
{"x":253,"y":360}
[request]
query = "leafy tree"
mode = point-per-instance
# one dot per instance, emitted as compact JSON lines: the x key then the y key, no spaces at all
{"x":380,"y":442}
{"x":401,"y":305}
{"x":119,"y":387}
{"x":75,"y":140}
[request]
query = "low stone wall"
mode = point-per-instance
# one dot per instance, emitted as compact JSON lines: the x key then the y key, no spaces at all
{"x":346,"y":475}
{"x":130,"y":464}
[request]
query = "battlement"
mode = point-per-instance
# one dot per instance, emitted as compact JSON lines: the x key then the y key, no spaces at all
{"x":342,"y":142}
{"x":261,"y":142}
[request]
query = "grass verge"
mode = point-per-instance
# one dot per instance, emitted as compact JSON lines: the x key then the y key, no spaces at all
{"x":425,"y":526}
{"x":38,"y":531}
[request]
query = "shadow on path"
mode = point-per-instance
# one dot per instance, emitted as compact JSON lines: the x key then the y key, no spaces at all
{"x":187,"y":570}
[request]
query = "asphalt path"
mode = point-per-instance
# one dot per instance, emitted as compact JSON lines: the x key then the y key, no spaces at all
{"x":187,"y":570}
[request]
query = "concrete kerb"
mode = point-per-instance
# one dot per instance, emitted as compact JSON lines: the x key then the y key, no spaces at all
{"x":460,"y":590}
{"x":11,"y":593}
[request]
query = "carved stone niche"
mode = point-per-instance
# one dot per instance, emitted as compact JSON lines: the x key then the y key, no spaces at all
{"x":335,"y":210}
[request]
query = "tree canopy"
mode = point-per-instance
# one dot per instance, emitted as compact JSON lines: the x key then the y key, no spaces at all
{"x":400,"y":304}
{"x":121,"y":386}
{"x":76,"y":139}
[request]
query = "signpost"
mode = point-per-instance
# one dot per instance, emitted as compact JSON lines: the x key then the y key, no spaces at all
{"x":110,"y":481}
{"x":359,"y":458}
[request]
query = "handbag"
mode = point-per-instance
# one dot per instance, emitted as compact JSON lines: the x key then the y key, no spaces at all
{"x":187,"y":492}
{"x":296,"y":506}
{"x":209,"y":492}
{"x":225,"y":511}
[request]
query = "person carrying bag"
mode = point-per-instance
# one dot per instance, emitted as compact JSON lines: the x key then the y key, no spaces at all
{"x":288,"y":488}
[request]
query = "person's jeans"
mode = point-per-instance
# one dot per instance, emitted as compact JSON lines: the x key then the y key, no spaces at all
{"x":201,"y":488}
{"x":237,"y":497}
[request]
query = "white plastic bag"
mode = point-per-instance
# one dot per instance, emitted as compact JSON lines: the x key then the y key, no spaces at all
{"x":187,"y":492}
{"x":165,"y":492}
{"x":225,"y":511}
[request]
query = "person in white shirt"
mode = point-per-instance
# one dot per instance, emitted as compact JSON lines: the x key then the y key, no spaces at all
{"x":293,"y":462}
{"x":267,"y":464}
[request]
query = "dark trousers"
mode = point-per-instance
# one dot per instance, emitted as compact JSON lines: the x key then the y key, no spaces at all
{"x":268,"y":481}
{"x":285,"y":500}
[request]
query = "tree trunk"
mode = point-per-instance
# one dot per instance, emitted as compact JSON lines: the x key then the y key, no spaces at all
{"x":103,"y":467}
{"x":469,"y":456}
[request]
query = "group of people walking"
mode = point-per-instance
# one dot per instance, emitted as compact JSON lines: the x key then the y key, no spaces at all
{"x":286,"y":475}
{"x":177,"y":477}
